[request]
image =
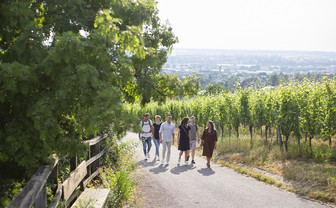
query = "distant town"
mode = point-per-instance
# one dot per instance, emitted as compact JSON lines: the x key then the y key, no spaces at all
{"x":223,"y":66}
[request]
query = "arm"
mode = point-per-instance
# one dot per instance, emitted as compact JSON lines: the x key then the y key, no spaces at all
{"x":203,"y":137}
{"x":189,"y":137}
{"x":216,"y":139}
{"x":140,"y":130}
{"x":160,"y":133}
{"x":173,"y":134}
{"x":173,"y":137}
{"x":152,"y":131}
{"x":178,"y":137}
{"x":198,"y":136}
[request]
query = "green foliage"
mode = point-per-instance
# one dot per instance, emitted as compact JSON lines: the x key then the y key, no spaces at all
{"x":302,"y":108}
{"x":66,"y":67}
{"x":245,"y":109}
{"x":214,"y":89}
{"x":117,"y":176}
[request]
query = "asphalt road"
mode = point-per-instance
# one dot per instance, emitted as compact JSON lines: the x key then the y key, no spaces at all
{"x":199,"y":186}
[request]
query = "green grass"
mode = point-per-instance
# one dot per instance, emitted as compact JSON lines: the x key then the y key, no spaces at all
{"x":313,"y":170}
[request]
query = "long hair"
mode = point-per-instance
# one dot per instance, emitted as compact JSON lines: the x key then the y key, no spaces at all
{"x":184,"y":122}
{"x":213,"y":128}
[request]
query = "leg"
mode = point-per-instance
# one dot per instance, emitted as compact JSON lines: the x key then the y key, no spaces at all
{"x":208,"y":163}
{"x":164,"y":146}
{"x":149,"y":143}
{"x":180,"y":155}
{"x":168,"y":152}
{"x":144,"y":145}
{"x":157,"y":145}
{"x":186,"y":155}
{"x":193,"y":148}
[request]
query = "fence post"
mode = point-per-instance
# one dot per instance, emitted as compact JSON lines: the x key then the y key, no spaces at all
{"x":73,"y":163}
{"x":89,"y":157}
{"x":41,"y":200}
{"x":97,"y":150}
{"x":54,"y":175}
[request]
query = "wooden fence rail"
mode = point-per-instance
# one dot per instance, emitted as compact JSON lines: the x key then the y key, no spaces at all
{"x":35,"y":190}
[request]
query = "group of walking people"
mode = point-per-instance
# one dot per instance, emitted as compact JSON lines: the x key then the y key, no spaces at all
{"x":187,"y":138}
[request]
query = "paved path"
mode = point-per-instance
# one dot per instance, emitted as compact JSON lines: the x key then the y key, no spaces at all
{"x":198,"y":186}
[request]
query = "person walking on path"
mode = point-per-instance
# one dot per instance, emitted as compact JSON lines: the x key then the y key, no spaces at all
{"x":194,"y":132}
{"x":145,"y":134}
{"x":167,"y":136}
{"x":209,"y":140}
{"x":183,"y":140}
{"x":156,"y":136}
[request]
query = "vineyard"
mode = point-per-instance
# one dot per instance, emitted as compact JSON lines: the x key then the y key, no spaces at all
{"x":293,"y":113}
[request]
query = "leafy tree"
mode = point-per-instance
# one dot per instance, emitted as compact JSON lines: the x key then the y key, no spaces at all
{"x":165,"y":86}
{"x":222,"y":112}
{"x":270,"y":106}
{"x":288,"y":115}
{"x":245,"y":110}
{"x":214,"y":89}
{"x":273,"y":80}
{"x":66,"y":67}
{"x":329,"y":121}
{"x":259,"y":111}
{"x":191,"y":86}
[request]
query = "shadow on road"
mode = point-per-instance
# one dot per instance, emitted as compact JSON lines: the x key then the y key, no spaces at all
{"x":146,"y":163}
{"x":160,"y":169}
{"x":206,"y":171}
{"x":180,"y":169}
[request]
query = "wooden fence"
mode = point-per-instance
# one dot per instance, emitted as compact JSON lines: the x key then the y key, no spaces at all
{"x":35,"y":190}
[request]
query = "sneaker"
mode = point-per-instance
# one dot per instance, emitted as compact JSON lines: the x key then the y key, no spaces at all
{"x":158,"y":158}
{"x":178,"y":162}
{"x":193,"y":162}
{"x":167,"y":163}
{"x":162,"y":161}
{"x":185,"y":163}
{"x":146,"y":157}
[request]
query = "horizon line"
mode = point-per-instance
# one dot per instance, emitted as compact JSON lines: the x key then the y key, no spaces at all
{"x":278,"y":50}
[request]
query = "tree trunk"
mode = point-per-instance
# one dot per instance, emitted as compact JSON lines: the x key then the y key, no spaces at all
{"x":222,"y":127}
{"x":266,"y":128}
{"x":286,"y":143}
{"x":310,"y":145}
{"x":330,"y":142}
{"x":306,"y":135}
{"x":280,"y":142}
{"x":237,"y":130}
{"x":298,"y":138}
{"x":250,"y":127}
{"x":261,"y":132}
{"x":277,"y":135}
{"x":229,"y":131}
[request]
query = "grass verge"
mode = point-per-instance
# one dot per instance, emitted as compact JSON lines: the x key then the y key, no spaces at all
{"x":119,"y":175}
{"x":301,"y":172}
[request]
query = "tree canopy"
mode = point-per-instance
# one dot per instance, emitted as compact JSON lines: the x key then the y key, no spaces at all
{"x":66,"y":67}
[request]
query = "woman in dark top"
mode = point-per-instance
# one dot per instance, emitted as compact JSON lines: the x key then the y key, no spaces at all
{"x":209,"y":140}
{"x":156,"y":136}
{"x":183,"y":140}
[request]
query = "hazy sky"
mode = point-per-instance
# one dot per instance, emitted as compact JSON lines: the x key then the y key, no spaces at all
{"x":252,"y":24}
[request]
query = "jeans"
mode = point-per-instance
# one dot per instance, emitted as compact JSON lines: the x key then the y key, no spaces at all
{"x":146,"y":141}
{"x":157,"y":145}
{"x":166,"y":145}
